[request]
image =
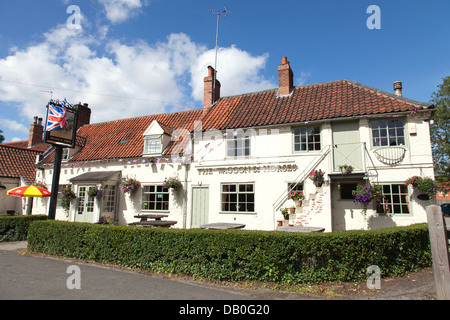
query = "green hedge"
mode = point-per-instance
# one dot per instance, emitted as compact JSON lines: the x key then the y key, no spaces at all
{"x":15,"y":228}
{"x":240,"y":255}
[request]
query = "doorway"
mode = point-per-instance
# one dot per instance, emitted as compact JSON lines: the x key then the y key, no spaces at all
{"x":85,"y":205}
{"x":347,"y":148}
{"x":200,"y":206}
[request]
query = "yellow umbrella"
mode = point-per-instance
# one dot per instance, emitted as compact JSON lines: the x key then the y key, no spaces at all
{"x":29,"y":191}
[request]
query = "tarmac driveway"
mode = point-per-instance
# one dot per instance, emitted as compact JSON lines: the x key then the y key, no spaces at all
{"x":28,"y":277}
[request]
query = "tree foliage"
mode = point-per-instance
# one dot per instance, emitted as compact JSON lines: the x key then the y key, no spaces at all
{"x":440,"y":131}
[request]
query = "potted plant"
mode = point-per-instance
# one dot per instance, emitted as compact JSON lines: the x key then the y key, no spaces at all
{"x":346,"y":169}
{"x":317,"y":176}
{"x":129,"y":185}
{"x":107,"y":220}
{"x":67,"y":195}
{"x":298,"y":197}
{"x":364,"y":194}
{"x":285,"y":213}
{"x":172,"y":183}
{"x":40,"y":184}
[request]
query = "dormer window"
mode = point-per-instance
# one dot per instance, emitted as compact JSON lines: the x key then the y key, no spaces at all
{"x":153,"y":145}
{"x":156,"y":138}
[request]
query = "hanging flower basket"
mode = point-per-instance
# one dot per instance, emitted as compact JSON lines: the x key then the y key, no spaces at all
{"x":67,"y":195}
{"x":364,"y":194}
{"x":425,"y":185}
{"x":129,"y":185}
{"x":172,"y":183}
{"x":317,"y":176}
{"x":95,"y":191}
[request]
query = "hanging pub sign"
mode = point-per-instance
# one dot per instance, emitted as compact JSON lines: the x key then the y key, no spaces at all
{"x":60,"y":124}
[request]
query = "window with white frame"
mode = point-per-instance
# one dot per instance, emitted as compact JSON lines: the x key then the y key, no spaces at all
{"x":238,"y":197}
{"x":155,"y":197}
{"x":109,"y":198}
{"x":153,"y":145}
{"x":307,"y":139}
{"x":388,"y":133}
{"x":396,"y":199}
{"x":238,"y":146}
{"x":65,"y":154}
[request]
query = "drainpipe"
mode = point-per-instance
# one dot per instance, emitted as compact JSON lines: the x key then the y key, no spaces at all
{"x":185,"y":195}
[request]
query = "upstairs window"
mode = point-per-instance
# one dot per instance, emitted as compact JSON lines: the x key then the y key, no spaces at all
{"x":307,"y":139}
{"x":238,"y":147}
{"x":152,"y":145}
{"x":388,"y":133}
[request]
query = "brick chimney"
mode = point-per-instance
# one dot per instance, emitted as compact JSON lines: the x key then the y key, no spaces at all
{"x":36,"y":132}
{"x":285,"y":78}
{"x":398,"y":88}
{"x":84,"y":114}
{"x":211,"y":94}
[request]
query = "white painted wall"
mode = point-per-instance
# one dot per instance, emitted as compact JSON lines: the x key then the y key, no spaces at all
{"x":271,"y":149}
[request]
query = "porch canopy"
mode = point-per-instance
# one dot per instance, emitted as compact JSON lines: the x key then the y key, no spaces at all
{"x":95,"y":176}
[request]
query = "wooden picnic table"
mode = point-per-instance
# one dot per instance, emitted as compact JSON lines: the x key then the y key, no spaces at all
{"x":146,"y":216}
{"x":222,"y":225}
{"x":155,"y":221}
{"x":300,"y":229}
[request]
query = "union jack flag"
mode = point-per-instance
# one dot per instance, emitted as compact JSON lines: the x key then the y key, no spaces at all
{"x":56,"y":118}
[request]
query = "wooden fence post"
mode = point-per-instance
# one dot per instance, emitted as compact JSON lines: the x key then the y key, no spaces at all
{"x":439,"y":251}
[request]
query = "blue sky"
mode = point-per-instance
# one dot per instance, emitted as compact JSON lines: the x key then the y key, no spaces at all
{"x":139,"y":57}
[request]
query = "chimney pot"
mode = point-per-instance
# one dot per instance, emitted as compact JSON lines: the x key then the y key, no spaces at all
{"x":36,"y":132}
{"x":211,"y":91}
{"x":285,"y":78}
{"x":398,"y":88}
{"x":84,"y":114}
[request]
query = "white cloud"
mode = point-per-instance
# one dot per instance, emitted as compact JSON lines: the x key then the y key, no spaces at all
{"x":13,"y":126}
{"x":118,"y":11}
{"x":237,"y":70}
{"x":119,"y":80}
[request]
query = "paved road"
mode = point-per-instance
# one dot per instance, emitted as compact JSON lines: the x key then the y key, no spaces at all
{"x":33,"y":277}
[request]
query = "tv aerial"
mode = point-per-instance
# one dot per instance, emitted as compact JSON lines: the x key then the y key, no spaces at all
{"x":225,"y":12}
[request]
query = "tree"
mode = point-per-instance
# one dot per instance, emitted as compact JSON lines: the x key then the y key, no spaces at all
{"x":2,"y":137}
{"x":440,"y":131}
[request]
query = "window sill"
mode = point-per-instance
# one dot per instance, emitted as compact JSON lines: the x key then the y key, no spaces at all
{"x":237,"y":212}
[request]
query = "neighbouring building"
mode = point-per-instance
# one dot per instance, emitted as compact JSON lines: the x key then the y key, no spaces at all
{"x":238,"y":157}
{"x":17,"y":168}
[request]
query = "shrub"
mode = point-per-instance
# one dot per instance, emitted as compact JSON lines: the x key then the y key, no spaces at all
{"x":15,"y":228}
{"x":240,"y":255}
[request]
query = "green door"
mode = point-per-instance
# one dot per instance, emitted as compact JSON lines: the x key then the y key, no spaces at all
{"x":200,"y":206}
{"x":347,"y":147}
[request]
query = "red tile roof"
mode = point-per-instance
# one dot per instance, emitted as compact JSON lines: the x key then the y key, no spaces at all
{"x":339,"y":99}
{"x":331,"y":100}
{"x":23,"y":144}
{"x":18,"y":162}
{"x":120,"y":139}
